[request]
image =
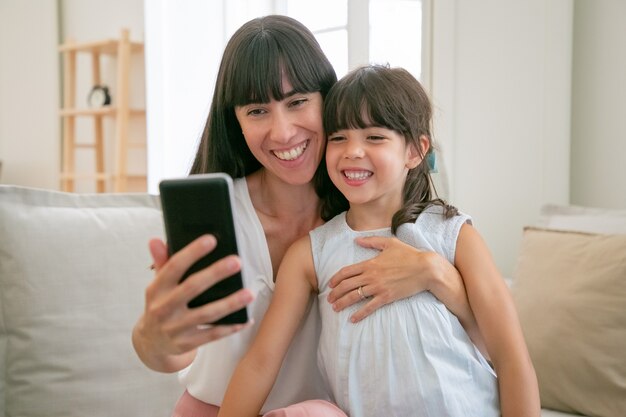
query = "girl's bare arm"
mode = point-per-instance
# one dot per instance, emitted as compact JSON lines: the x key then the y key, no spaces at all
{"x":257,"y":371}
{"x":497,"y":320}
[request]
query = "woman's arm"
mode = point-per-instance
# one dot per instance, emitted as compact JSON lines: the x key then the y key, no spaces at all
{"x":167,"y":334}
{"x":497,"y":319}
{"x":257,"y":371}
{"x":400,"y":271}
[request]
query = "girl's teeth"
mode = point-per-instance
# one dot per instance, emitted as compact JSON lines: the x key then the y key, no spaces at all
{"x":291,"y":154}
{"x":357,"y":175}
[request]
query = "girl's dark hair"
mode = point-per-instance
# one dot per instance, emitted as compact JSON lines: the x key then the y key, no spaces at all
{"x":255,"y":59}
{"x":377,"y":95}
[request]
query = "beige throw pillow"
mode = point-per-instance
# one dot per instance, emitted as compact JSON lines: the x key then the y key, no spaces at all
{"x":570,"y":292}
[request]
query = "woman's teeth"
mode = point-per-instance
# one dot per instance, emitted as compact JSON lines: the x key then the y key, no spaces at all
{"x":292,"y":153}
{"x":357,"y":175}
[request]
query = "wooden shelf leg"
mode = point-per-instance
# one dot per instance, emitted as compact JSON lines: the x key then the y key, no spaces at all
{"x":69,"y":122}
{"x":98,"y":132}
{"x":123,"y":110}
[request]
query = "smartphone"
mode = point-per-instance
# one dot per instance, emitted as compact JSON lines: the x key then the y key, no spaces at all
{"x":194,"y":206}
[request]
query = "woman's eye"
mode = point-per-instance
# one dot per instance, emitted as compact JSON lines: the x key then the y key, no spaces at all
{"x":255,"y":112}
{"x":298,"y":102}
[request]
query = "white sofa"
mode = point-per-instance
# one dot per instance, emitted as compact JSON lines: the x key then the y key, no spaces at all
{"x":73,"y":269}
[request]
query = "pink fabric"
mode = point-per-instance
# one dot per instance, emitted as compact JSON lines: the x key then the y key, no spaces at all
{"x":188,"y":406}
{"x":311,"y":408}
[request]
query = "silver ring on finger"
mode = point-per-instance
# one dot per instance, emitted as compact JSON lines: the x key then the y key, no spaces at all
{"x":361,"y":294}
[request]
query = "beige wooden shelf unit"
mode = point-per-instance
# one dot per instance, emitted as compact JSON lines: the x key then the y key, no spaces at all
{"x":119,"y":111}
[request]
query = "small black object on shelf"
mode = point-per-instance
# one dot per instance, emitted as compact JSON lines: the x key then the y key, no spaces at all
{"x":99,"y":96}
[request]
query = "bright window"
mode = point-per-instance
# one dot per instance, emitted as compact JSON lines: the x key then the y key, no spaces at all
{"x":351,"y":32}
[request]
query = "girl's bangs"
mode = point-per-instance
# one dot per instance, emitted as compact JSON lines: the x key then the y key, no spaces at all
{"x":353,"y":109}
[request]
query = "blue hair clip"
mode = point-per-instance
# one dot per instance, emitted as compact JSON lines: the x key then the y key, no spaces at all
{"x":431,"y":159}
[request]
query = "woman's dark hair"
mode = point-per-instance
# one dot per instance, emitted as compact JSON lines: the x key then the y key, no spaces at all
{"x":377,"y":95}
{"x":255,"y":60}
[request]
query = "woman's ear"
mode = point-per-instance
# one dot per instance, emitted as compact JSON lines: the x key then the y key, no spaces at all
{"x":415,"y":156}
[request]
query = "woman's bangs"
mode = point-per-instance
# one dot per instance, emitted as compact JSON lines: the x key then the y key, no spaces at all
{"x":257,"y":79}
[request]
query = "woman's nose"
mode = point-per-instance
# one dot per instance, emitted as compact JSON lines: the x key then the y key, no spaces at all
{"x":283,"y":127}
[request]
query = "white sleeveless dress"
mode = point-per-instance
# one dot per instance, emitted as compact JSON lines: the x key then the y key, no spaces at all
{"x":409,"y":358}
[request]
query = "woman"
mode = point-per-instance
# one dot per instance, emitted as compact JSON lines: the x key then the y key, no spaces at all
{"x":265,"y":129}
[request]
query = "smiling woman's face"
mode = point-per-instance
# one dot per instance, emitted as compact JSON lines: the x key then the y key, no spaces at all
{"x":286,"y":136}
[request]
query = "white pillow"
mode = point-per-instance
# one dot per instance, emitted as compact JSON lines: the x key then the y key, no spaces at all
{"x":73,"y":271}
{"x":583,"y":219}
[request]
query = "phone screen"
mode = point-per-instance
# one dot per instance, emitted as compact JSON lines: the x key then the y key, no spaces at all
{"x":198,"y":205}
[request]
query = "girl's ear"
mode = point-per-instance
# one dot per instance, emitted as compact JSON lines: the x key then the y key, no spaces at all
{"x":415,"y":156}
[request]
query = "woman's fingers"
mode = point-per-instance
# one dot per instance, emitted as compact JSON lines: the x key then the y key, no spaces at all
{"x":216,"y":310}
{"x":209,"y":334}
{"x":198,"y":282}
{"x":158,"y":250}
{"x":192,"y":329}
{"x":374,"y":294}
{"x":374,"y":242}
{"x":347,"y":299}
{"x":372,"y":305}
{"x":171,"y":272}
{"x":167,"y":319}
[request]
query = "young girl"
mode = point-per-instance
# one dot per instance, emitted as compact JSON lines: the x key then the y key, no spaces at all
{"x":410,"y":357}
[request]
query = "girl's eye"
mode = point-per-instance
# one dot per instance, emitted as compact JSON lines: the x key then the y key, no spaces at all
{"x":375,"y":137}
{"x":335,"y":138}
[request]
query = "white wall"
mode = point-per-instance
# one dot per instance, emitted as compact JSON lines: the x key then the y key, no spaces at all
{"x":501,"y":87}
{"x":29,"y":93}
{"x":598,"y":173}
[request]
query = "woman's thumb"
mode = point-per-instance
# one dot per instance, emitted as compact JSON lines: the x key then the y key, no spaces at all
{"x":373,"y":242}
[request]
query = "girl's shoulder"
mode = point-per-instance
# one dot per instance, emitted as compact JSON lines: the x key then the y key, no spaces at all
{"x":435,"y":216}
{"x":331,"y":227}
{"x":332,"y":230}
{"x":433,"y":230}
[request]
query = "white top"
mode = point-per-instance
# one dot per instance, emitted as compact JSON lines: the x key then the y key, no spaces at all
{"x":299,"y":379}
{"x":410,"y":357}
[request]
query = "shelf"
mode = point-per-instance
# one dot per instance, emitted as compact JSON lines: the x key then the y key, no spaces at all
{"x":97,"y":176}
{"x":102,"y":111}
{"x":106,"y":173}
{"x":85,"y":176}
{"x":108,"y":47}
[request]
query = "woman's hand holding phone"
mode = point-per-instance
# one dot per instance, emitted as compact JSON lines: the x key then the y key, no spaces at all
{"x":169,"y":332}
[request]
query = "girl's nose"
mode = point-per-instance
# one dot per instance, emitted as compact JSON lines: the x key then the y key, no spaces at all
{"x":353,"y":149}
{"x":282,"y":128}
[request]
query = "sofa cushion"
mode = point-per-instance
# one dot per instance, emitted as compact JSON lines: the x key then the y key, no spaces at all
{"x":570,"y":292}
{"x":73,"y":271}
